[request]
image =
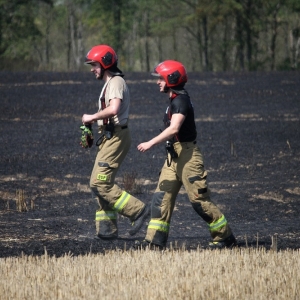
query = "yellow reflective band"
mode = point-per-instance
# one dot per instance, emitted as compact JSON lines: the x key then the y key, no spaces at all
{"x":122,"y":201}
{"x":159,"y":225}
{"x":217,"y":224}
{"x":105,"y":215}
{"x":102,"y":177}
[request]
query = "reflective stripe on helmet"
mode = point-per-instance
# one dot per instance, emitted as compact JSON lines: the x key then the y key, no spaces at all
{"x":122,"y":201}
{"x":221,"y":222}
{"x":106,"y":215}
{"x":159,"y":225}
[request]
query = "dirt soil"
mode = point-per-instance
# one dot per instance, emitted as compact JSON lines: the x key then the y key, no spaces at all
{"x":248,"y":130}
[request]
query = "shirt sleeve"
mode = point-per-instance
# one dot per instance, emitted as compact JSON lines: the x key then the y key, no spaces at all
{"x":180,"y":105}
{"x":116,"y":88}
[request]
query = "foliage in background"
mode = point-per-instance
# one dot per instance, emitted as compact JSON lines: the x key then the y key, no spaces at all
{"x":206,"y":35}
{"x":19,"y":32}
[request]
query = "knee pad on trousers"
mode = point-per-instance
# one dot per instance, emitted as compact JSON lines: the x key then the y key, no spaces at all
{"x":100,"y":190}
{"x":95,"y":191}
{"x":102,"y":203}
{"x":156,"y":203}
{"x":198,"y":208}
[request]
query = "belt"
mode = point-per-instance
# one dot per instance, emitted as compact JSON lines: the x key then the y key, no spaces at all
{"x":186,"y":143}
{"x":117,"y":127}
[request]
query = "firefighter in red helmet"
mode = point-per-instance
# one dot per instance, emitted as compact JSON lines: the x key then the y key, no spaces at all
{"x":183,"y":166}
{"x":113,"y":145}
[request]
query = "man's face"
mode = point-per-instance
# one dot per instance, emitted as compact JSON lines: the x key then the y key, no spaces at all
{"x":162,"y":84}
{"x":96,"y":69}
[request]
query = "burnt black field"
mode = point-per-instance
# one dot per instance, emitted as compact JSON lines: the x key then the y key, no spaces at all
{"x":248,"y":130}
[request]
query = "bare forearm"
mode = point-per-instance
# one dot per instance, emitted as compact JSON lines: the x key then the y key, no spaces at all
{"x":168,"y":133}
{"x":108,"y":112}
{"x":103,"y":114}
{"x":165,"y":135}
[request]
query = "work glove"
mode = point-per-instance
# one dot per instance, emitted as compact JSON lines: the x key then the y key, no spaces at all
{"x":87,"y":137}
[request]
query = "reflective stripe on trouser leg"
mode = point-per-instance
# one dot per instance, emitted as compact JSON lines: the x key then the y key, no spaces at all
{"x":159,"y":232}
{"x":217,"y":225}
{"x":159,"y":225}
{"x":106,"y":223}
{"x":128,"y":206}
{"x":219,"y":229}
{"x":121,"y":202}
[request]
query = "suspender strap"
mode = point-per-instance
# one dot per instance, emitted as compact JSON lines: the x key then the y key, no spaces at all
{"x":103,"y":105}
{"x":170,"y":115}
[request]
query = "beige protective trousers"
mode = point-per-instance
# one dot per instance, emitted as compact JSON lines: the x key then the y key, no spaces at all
{"x":111,"y":198}
{"x":186,"y":170}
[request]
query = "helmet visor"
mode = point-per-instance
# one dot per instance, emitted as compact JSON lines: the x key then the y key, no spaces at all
{"x":155,"y":74}
{"x":88,"y":61}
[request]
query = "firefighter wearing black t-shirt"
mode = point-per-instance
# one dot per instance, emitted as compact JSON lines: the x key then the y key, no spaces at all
{"x":183,"y":166}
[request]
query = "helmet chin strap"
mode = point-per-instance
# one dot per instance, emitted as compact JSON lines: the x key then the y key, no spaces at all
{"x":179,"y":92}
{"x":166,"y":89}
{"x":102,"y":72}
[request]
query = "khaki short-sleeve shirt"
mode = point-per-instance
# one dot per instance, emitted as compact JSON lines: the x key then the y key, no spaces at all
{"x":117,"y":88}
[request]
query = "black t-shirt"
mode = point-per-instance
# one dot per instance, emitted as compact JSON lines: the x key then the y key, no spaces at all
{"x":182,"y":104}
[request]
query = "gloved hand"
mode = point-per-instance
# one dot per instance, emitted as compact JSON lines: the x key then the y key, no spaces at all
{"x":87,"y":137}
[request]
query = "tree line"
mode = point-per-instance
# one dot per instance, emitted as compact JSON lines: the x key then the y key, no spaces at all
{"x":205,"y":35}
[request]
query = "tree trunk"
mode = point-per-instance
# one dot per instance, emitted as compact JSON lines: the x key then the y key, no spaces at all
{"x":249,"y":34}
{"x":295,"y":44}
{"x":117,"y":8}
{"x":175,"y":48}
{"x":205,"y":46}
{"x":75,"y":36}
{"x":199,"y":41}
{"x":68,"y":41}
{"x":225,"y":46}
{"x":240,"y":40}
{"x":47,"y":40}
{"x":160,"y":52}
{"x":147,"y":48}
{"x":1,"y":34}
{"x":274,"y":27}
{"x":80,"y":50}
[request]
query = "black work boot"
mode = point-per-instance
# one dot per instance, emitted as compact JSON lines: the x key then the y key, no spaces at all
{"x":109,"y":237}
{"x":229,"y":242}
{"x":140,"y":220}
{"x":143,"y":245}
{"x":107,"y":230}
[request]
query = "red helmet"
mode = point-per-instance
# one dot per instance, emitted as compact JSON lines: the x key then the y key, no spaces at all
{"x":173,"y":72}
{"x":103,"y":54}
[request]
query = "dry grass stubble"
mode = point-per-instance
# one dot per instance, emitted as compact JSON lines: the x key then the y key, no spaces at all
{"x":227,"y":274}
